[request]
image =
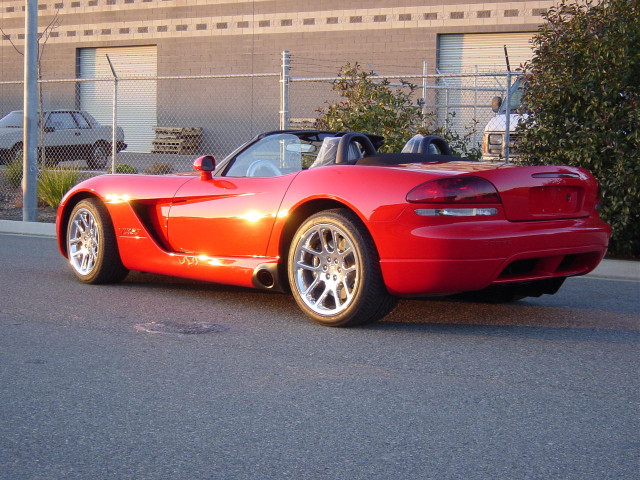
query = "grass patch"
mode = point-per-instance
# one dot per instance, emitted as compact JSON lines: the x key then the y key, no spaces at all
{"x":13,"y":173}
{"x":54,"y":183}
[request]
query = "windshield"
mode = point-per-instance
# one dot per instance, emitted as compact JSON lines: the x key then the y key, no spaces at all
{"x":515,"y":98}
{"x":12,"y":120}
{"x":274,"y":155}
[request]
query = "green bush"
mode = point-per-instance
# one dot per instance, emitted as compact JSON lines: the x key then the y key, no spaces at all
{"x":159,"y":168}
{"x":583,"y":93}
{"x":13,"y":173}
{"x":125,"y":168}
{"x":374,"y":106}
{"x":54,"y":183}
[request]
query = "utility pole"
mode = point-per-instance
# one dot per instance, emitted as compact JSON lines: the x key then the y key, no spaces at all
{"x":30,"y":110}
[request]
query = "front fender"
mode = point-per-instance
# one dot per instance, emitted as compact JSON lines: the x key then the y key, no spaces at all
{"x":116,"y":191}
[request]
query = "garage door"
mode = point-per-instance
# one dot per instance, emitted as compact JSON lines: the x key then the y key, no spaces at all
{"x":137,"y":99}
{"x":459,"y":53}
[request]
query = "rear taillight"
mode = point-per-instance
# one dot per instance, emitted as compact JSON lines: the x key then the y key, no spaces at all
{"x":598,"y":198}
{"x":461,"y":189}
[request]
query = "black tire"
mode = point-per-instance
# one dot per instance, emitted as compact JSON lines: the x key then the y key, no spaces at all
{"x":47,"y":161}
{"x":334,"y":271}
{"x":91,"y":244}
{"x":17,"y":153}
{"x":98,"y":156}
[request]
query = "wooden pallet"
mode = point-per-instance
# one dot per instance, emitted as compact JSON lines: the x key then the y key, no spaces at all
{"x":178,"y":140}
{"x":178,"y":132}
{"x":302,"y":123}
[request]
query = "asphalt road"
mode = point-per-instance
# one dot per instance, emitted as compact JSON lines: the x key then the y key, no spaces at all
{"x":544,"y":388}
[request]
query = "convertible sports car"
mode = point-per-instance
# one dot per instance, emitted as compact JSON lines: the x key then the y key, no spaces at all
{"x":345,"y":229}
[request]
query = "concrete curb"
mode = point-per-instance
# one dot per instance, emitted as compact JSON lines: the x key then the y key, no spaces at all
{"x":618,"y":270}
{"x":38,"y":229}
{"x":610,"y":269}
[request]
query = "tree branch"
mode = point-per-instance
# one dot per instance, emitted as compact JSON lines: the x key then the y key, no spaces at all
{"x":8,"y":37}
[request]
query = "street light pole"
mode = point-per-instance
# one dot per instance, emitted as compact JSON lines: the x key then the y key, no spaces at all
{"x":30,"y":111}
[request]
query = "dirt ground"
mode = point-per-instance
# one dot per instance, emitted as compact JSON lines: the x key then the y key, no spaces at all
{"x":11,"y":207}
{"x":11,"y":212}
{"x":11,"y":204}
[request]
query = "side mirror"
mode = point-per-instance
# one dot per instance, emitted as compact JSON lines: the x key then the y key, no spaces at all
{"x":496,"y":103}
{"x":205,"y":165}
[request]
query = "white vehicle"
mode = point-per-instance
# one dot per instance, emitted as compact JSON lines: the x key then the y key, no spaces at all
{"x":493,"y":144}
{"x":68,"y":135}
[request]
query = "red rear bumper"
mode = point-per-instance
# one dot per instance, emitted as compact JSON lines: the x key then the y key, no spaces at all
{"x":468,"y":256}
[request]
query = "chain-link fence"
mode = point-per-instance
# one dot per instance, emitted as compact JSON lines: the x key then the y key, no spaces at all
{"x":163,"y":123}
{"x":461,"y":102}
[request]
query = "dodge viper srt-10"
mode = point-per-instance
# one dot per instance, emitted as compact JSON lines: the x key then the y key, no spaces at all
{"x":347,"y":230}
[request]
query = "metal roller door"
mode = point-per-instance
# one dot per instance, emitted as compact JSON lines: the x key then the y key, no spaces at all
{"x":137,"y":99}
{"x":463,"y":53}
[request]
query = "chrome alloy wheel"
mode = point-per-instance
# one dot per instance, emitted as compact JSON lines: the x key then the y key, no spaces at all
{"x":83,"y":241}
{"x":327,"y":269}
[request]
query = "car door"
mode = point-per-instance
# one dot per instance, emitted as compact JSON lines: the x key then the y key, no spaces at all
{"x":233,"y":214}
{"x":226,"y":217}
{"x":62,"y":135}
{"x":85,"y":135}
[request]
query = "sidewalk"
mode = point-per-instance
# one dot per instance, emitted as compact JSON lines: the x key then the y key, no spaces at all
{"x":610,"y":269}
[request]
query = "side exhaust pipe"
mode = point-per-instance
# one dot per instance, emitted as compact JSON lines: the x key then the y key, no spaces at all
{"x":265,"y":276}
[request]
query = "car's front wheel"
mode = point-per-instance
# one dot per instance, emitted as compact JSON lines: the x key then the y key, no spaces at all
{"x":334,"y":271}
{"x":17,"y":153}
{"x":91,"y":244}
{"x":98,"y":156}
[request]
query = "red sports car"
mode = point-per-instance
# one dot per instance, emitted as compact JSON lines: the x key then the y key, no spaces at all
{"x":347,"y":230}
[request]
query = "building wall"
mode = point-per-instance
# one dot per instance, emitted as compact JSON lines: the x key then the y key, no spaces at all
{"x":205,"y":37}
{"x":217,"y":36}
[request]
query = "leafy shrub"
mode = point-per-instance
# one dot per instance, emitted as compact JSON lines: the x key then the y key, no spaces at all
{"x":159,"y":168}
{"x":583,"y":92}
{"x":54,"y":183}
{"x":461,"y":145}
{"x":125,"y":168}
{"x":374,"y":106}
{"x":13,"y":173}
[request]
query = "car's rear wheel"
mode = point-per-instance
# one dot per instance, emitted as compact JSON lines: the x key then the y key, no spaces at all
{"x":334,"y":271}
{"x":91,"y":244}
{"x":98,"y":156}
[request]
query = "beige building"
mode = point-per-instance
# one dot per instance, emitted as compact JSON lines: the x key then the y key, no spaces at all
{"x":168,"y":38}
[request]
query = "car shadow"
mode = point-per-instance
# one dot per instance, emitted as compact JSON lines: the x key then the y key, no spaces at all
{"x":529,"y":318}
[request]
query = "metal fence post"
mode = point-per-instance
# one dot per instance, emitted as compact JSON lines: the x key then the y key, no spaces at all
{"x":285,"y":81}
{"x":114,"y":120}
{"x":30,"y":116}
{"x":425,"y":67}
{"x":507,"y":123}
{"x":475,"y":105}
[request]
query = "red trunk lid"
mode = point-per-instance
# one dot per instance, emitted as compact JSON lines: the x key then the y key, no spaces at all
{"x":530,"y":193}
{"x":544,"y":192}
